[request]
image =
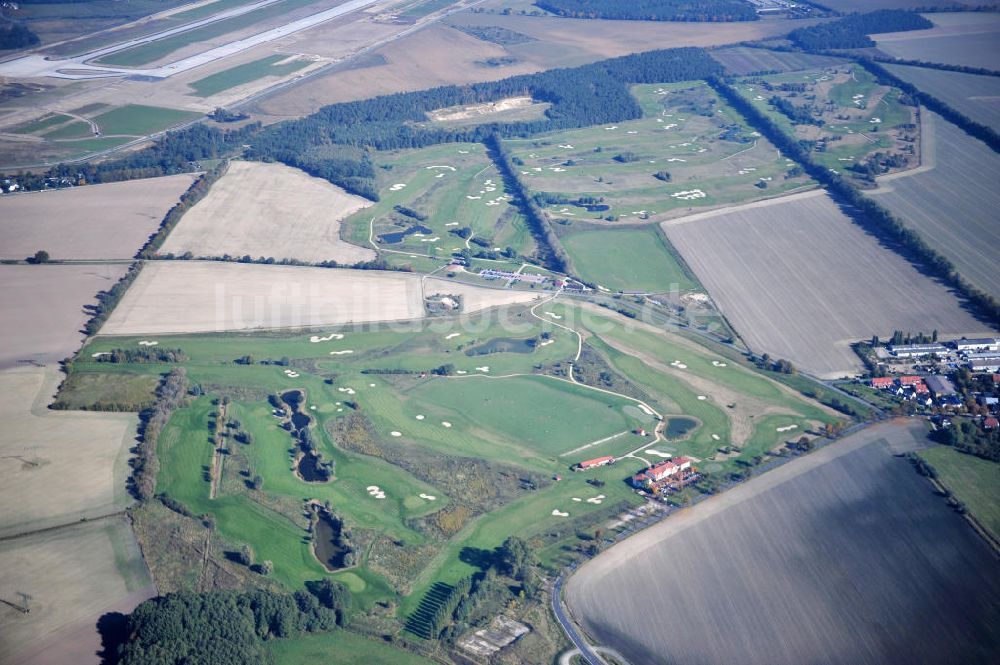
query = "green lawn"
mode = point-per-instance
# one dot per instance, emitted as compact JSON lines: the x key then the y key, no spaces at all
{"x":635,"y":259}
{"x":139,"y":120}
{"x":974,"y":481}
{"x":245,"y":73}
{"x":544,"y":415}
{"x":340,"y":647}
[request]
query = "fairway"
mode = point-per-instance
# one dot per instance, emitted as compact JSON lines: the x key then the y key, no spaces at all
{"x":690,"y":151}
{"x":633,"y":259}
{"x":551,"y":416}
{"x":428,"y":196}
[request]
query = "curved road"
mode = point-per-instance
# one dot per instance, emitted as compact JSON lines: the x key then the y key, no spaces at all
{"x":586,"y":652}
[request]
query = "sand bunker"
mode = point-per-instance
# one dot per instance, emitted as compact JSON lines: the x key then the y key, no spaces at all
{"x":445,"y":423}
{"x":375,"y":491}
{"x":395,"y":433}
{"x":398,"y":186}
{"x":452,"y":335}
{"x":554,"y":316}
{"x":678,"y":364}
{"x":702,"y":398}
{"x":484,"y":368}
{"x":559,"y":513}
{"x":716,"y":363}
{"x":428,"y":497}
{"x":716,"y":437}
{"x":291,"y":374}
{"x":341,"y":353}
{"x":658,"y":453}
{"x":420,"y":416}
{"x":787,"y":428}
{"x":316,"y":338}
{"x":147,"y":343}
{"x":597,"y":499}
{"x":576,"y":498}
{"x":689,"y":195}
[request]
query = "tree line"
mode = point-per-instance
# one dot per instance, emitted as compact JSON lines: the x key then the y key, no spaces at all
{"x":653,"y":10}
{"x":852,"y":31}
{"x":195,"y":193}
{"x":550,"y":250}
{"x":228,"y":627}
{"x":863,"y":209}
{"x":171,"y":395}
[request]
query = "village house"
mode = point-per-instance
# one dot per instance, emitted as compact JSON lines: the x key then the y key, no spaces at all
{"x":661,"y":471}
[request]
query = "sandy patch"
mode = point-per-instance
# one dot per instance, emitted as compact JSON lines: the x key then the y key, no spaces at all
{"x":428,"y":497}
{"x":316,"y":338}
{"x":559,"y":513}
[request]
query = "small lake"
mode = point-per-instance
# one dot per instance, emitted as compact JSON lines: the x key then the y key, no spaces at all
{"x":311,"y":468}
{"x":294,"y":399}
{"x":328,"y":545}
{"x":397,"y":237}
{"x":678,"y":427}
{"x":503,"y":345}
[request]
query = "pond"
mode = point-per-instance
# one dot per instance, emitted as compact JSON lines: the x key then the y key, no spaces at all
{"x":678,"y":427}
{"x":397,"y":237}
{"x":309,"y":465}
{"x":504,"y":345}
{"x":329,"y":545}
{"x":311,"y":468}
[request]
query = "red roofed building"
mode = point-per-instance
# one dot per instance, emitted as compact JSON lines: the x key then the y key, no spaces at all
{"x":594,"y":463}
{"x":991,"y":423}
{"x":920,"y":388}
{"x":883,"y":382}
{"x":658,"y":472}
{"x":909,"y":380}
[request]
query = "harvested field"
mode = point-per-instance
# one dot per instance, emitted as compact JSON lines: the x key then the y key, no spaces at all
{"x":799,"y":280}
{"x":971,"y":39}
{"x":976,"y":96}
{"x":42,"y":308}
{"x":74,"y":575}
{"x":57,"y":467}
{"x":953,"y":203}
{"x":269,"y":210}
{"x":109,"y":221}
{"x":743,"y":60}
{"x":843,"y":556}
{"x":190,"y":296}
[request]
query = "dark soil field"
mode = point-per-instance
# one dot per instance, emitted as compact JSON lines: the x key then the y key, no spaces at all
{"x":844,"y":556}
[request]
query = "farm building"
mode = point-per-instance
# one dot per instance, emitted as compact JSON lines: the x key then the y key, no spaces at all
{"x":977,"y":344}
{"x":940,"y":385}
{"x":883,"y":382}
{"x":983,"y":355}
{"x":594,"y":463}
{"x":916,"y":350}
{"x":661,"y":471}
{"x":990,"y":423}
{"x":985,"y":366}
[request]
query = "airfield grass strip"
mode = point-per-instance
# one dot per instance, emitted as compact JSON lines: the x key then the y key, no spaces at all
{"x":866,"y":212}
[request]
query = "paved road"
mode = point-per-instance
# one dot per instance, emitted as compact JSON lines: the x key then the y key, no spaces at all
{"x":586,"y":652}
